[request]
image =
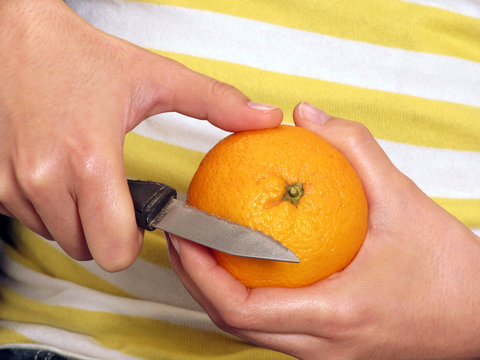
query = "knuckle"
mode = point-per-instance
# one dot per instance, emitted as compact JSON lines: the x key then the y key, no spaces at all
{"x":220,"y":322}
{"x":234,"y":321}
{"x":237,"y":318}
{"x":221,"y":90}
{"x":356,"y":135}
{"x":33,"y":179}
{"x":87,"y":164}
{"x":36,"y":172}
{"x":344,"y":319}
{"x":78,"y":252}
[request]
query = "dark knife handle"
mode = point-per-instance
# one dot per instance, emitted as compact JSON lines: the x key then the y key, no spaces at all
{"x":149,"y":199}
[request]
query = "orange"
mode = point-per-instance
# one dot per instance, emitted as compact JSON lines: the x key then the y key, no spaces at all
{"x":246,"y":178}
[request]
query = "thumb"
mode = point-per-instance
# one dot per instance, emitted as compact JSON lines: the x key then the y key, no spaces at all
{"x":172,"y":86}
{"x":355,"y":142}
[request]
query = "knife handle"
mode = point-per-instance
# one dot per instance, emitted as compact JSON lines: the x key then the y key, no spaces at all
{"x":149,"y":199}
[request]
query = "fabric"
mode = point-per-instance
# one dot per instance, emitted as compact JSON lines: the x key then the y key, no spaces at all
{"x":408,"y":70}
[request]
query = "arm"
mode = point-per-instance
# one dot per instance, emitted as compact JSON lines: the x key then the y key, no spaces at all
{"x":69,"y":95}
{"x":411,"y":292}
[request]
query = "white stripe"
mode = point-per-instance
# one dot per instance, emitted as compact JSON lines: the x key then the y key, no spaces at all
{"x":181,"y":130}
{"x":465,"y":7}
{"x":52,"y":339}
{"x":146,"y":281}
{"x":476,"y":231}
{"x":438,"y":172}
{"x":52,"y":291}
{"x":286,"y":50}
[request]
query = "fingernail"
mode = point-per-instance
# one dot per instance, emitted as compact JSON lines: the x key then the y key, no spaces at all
{"x":264,"y":108}
{"x":312,"y":113}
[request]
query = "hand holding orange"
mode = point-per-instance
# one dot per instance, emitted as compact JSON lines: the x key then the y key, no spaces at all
{"x":354,"y":313}
{"x":291,"y":184}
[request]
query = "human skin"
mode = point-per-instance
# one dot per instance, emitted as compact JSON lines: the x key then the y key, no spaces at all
{"x":69,"y":95}
{"x":412,"y":291}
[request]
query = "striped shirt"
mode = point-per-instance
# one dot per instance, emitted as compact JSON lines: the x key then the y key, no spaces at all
{"x":408,"y":70}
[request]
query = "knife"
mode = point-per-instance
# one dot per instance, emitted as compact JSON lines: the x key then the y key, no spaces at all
{"x":156,"y":207}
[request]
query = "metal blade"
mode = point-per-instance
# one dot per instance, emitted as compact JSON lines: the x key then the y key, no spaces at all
{"x":220,"y":234}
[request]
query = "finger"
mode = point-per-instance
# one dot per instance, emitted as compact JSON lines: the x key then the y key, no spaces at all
{"x":14,"y":203}
{"x":297,"y":344}
{"x":58,"y":211}
{"x":234,"y":308}
{"x":43,"y":184}
{"x":4,"y":211}
{"x":194,"y":290}
{"x":4,"y":190}
{"x":23,"y":210}
{"x":354,"y":141}
{"x":105,"y":206}
{"x":177,"y":88}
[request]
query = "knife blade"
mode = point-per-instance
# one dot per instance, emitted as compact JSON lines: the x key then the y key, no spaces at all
{"x":156,"y":207}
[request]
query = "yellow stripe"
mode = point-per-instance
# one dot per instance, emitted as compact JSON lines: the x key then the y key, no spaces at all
{"x":466,"y":210}
{"x":400,"y":118}
{"x":55,"y":263}
{"x":157,"y":161}
{"x":391,"y":23}
{"x":137,"y":336}
{"x":8,"y":336}
{"x":18,"y":258}
{"x":154,"y":249}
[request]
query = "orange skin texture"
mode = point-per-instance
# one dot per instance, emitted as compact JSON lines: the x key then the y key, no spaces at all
{"x":243,"y":178}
